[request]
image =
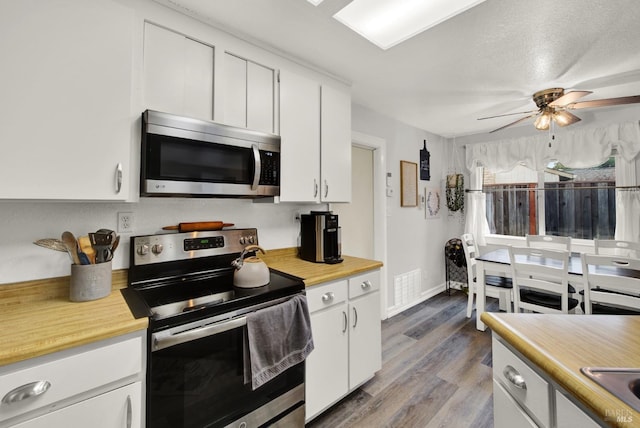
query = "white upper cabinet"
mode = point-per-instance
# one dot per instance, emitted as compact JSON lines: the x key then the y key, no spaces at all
{"x":300,"y":138}
{"x":249,"y":94}
{"x":315,"y":128}
{"x":66,"y":99}
{"x":335,"y":141}
{"x":178,"y":74}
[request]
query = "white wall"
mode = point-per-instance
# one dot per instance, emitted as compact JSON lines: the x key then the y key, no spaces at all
{"x":412,"y":241}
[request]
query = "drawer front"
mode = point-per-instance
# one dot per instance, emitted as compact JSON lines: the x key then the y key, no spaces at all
{"x":364,"y":283}
{"x":534,"y":395}
{"x":326,"y":295}
{"x":69,"y":376}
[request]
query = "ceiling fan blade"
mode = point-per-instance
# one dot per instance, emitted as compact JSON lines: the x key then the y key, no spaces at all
{"x":605,"y":102}
{"x":569,"y":98}
{"x":564,"y":118}
{"x":513,"y":123}
{"x":508,"y":114}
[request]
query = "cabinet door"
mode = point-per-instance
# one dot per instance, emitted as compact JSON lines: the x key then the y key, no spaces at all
{"x":178,"y":74}
{"x":568,"y":415}
{"x":260,"y":97}
{"x":365,"y":342}
{"x":506,"y":412}
{"x":249,"y":96}
{"x":66,"y":99}
{"x":335,"y":141}
{"x":300,"y":138}
{"x":326,"y":367}
{"x":115,"y":409}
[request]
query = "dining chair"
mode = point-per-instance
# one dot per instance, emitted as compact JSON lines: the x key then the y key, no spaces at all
{"x":614,"y":247}
{"x":611,"y":284}
{"x":549,"y":241}
{"x":492,"y":282}
{"x":541,"y":280}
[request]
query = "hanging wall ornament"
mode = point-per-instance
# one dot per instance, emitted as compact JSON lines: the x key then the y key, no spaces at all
{"x":425,"y":173}
{"x":455,"y":192}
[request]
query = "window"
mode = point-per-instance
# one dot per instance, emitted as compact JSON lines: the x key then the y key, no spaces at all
{"x":559,"y":201}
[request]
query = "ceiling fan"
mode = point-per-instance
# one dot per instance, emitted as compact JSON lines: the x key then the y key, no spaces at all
{"x":553,"y":105}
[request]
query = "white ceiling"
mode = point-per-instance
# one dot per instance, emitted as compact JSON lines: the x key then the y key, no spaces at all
{"x":487,"y":61}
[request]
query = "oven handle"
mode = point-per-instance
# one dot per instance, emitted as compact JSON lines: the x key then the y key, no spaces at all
{"x":161,"y":342}
{"x":166,"y":339}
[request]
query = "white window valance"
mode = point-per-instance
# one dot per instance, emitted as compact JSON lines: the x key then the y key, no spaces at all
{"x":582,"y":148}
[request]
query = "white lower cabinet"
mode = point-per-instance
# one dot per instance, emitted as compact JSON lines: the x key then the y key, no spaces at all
{"x":95,"y":385}
{"x":115,"y":409}
{"x":345,"y":322}
{"x":524,"y":396}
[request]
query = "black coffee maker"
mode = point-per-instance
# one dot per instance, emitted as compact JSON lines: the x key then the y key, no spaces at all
{"x":320,"y":237}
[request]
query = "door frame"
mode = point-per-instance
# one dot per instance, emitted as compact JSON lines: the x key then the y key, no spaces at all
{"x":379,"y":148}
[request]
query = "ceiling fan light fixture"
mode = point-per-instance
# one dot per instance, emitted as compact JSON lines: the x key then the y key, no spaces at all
{"x":561,"y":118}
{"x":542,"y":122}
{"x":386,"y":23}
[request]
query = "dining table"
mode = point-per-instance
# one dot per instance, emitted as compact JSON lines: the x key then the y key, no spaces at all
{"x":498,"y":261}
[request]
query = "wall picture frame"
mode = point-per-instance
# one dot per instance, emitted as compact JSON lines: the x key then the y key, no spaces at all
{"x":408,"y":184}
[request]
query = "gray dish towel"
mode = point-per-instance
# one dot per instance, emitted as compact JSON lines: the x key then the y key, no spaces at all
{"x":278,"y":337}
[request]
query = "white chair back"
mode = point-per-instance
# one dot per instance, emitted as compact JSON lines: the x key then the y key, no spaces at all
{"x":611,"y":280}
{"x":612,"y":247}
{"x":549,"y":241}
{"x":470,"y":253}
{"x":540,"y":270}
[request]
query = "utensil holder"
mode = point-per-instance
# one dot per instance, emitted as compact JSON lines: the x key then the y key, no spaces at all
{"x":90,"y":282}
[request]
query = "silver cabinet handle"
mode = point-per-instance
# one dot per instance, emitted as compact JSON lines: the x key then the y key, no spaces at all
{"x":514,"y":377}
{"x":326,"y":188}
{"x":118,"y":178}
{"x":355,"y":317}
{"x":366,"y":285}
{"x":346,"y":322}
{"x":328,"y":297}
{"x":258,"y":167}
{"x":27,"y":391}
{"x":129,"y":411}
{"x":315,"y":187}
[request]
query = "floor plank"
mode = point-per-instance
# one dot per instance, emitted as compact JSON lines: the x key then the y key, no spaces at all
{"x":436,"y":372}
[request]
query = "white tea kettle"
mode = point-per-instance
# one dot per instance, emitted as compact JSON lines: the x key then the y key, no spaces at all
{"x":250,"y":272}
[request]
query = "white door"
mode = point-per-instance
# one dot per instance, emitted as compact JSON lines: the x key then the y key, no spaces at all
{"x":356,"y":218}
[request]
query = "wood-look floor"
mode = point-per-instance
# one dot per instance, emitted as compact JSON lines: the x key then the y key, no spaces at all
{"x":436,"y":372}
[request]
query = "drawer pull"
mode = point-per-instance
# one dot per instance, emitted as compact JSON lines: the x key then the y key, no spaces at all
{"x":24,"y":392}
{"x":366,"y":285}
{"x":514,"y":377}
{"x":328,"y":297}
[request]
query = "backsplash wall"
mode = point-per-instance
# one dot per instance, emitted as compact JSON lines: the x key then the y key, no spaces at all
{"x":25,"y":221}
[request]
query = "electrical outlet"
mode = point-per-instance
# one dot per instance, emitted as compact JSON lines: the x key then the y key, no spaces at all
{"x":125,"y":222}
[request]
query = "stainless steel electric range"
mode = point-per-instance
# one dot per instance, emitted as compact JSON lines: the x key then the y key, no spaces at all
{"x":183,"y":282}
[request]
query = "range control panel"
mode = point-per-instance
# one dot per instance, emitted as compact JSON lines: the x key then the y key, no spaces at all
{"x":167,"y":247}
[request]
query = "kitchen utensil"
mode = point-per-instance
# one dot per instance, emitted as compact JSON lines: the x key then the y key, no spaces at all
{"x":85,"y":246}
{"x":114,"y":246}
{"x":72,"y":246}
{"x":250,"y":272}
{"x":52,"y":244}
{"x":101,"y":242}
{"x":199,"y":225}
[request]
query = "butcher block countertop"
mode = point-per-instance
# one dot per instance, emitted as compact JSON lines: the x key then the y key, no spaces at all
{"x":286,"y":260}
{"x":37,"y":318}
{"x":561,"y":344}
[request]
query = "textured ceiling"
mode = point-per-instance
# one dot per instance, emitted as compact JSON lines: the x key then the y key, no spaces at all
{"x":487,"y":61}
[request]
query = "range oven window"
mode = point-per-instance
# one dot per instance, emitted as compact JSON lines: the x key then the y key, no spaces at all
{"x":201,"y":383}
{"x":189,"y":160}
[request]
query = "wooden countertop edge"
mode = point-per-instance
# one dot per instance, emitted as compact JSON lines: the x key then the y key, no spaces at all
{"x":593,"y":396}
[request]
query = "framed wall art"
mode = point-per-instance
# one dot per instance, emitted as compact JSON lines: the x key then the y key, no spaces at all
{"x":408,"y":184}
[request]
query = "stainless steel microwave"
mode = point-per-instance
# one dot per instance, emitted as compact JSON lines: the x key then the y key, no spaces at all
{"x":189,"y":157}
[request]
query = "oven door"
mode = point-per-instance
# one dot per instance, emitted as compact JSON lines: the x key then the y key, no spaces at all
{"x":196,"y":379}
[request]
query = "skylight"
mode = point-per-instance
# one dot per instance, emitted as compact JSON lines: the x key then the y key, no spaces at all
{"x":389,"y":22}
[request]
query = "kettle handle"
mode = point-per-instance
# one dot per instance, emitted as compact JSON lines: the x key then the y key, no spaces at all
{"x":252,"y":248}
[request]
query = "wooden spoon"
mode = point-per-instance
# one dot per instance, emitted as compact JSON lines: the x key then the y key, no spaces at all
{"x":72,"y":246}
